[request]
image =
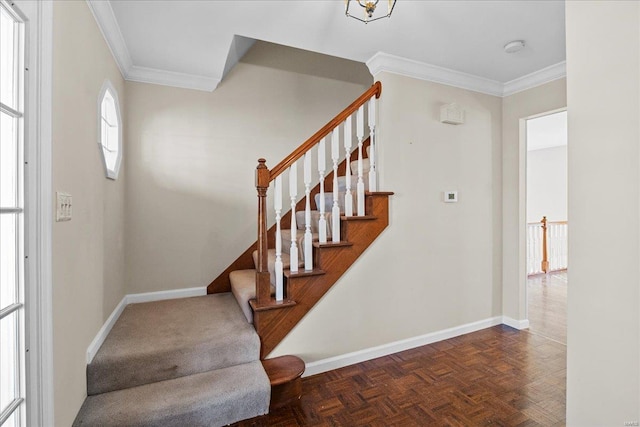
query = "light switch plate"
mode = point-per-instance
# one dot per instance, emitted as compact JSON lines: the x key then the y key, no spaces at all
{"x":64,"y":204}
{"x":450,"y":196}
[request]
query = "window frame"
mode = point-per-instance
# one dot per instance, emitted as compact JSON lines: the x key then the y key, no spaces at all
{"x":110,"y":173}
{"x":17,"y":310}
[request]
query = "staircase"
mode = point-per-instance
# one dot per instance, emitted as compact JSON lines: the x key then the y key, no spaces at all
{"x":293,"y":264}
{"x":201,"y":361}
{"x":192,"y":361}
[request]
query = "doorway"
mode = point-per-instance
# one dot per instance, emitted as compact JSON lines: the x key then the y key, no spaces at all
{"x":547,"y":225}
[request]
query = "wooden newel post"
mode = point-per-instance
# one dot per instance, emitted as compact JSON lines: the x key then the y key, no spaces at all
{"x":263,"y":285}
{"x":545,"y":258}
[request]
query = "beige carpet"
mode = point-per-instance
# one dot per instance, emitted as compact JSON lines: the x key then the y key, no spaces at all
{"x":183,"y":362}
{"x":162,"y":340}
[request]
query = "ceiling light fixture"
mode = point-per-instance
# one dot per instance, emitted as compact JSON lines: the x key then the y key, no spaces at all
{"x":514,"y":46}
{"x":369,"y":7}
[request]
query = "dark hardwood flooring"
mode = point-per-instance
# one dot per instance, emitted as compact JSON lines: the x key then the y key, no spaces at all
{"x":495,"y":377}
{"x":547,"y":305}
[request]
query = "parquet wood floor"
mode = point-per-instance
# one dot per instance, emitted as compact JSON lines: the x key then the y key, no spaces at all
{"x":547,"y":305}
{"x":495,"y":377}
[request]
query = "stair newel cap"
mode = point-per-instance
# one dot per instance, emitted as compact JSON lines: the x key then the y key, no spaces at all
{"x":262,"y":174}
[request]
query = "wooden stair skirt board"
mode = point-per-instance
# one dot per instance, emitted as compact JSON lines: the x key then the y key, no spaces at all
{"x":304,"y":289}
{"x":285,"y":376}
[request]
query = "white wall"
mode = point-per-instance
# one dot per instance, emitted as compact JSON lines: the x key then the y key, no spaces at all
{"x":547,"y":184}
{"x":603,"y":82}
{"x":191,"y":198}
{"x":437,"y":265}
{"x":88,"y":251}
{"x":515,"y":109}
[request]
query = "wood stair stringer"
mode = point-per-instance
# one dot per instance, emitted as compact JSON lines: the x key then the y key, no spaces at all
{"x":306,"y":290}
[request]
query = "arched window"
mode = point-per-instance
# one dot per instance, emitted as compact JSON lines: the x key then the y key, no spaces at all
{"x":110,"y":131}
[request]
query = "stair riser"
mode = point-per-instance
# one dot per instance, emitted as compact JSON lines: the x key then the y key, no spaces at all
{"x":213,"y":398}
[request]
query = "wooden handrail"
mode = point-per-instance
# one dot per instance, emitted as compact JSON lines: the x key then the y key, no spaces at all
{"x":548,"y":222}
{"x":264,"y":176}
{"x":375,"y":89}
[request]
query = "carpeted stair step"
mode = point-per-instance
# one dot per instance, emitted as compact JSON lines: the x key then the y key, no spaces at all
{"x":286,"y":244}
{"x":243,"y":288}
{"x":214,"y":398}
{"x":164,"y":340}
{"x":342,"y":183}
{"x":271,"y":262}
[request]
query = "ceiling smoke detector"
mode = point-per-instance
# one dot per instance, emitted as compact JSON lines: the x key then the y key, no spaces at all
{"x":514,"y":46}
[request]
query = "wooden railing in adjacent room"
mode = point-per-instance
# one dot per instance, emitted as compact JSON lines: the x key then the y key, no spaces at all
{"x":546,"y":246}
{"x":303,"y":154}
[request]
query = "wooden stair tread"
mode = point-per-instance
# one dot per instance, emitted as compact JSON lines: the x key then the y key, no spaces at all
{"x":283,"y":369}
{"x":271,"y":305}
{"x":304,"y":273}
{"x":379,"y":193}
{"x":358,"y":218}
{"x":332,"y":244}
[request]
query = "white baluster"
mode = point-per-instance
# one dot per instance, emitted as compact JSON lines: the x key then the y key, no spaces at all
{"x":565,"y":234}
{"x":360,"y":135}
{"x":348,"y":197}
{"x":528,"y":249}
{"x":322,"y":223}
{"x":293,"y":194}
{"x":553,"y":235}
{"x":277,"y":201}
{"x":373,"y":178}
{"x":308,"y":238}
{"x":335,"y":211}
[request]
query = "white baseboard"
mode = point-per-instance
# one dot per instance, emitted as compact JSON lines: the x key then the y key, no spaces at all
{"x":162,"y":295}
{"x":343,"y":360}
{"x":517,"y":324}
{"x":135,"y":299}
{"x":104,"y":331}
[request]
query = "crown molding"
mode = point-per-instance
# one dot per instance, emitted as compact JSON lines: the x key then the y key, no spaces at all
{"x":537,"y":78}
{"x":171,"y":78}
{"x":106,"y":19}
{"x":104,"y":16}
{"x":419,"y":70}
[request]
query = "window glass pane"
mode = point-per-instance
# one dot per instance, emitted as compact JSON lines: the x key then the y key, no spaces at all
{"x":8,"y":161}
{"x":8,"y":259}
{"x":109,"y":109}
{"x":104,"y":127}
{"x":110,"y":158}
{"x":112,"y":139}
{"x":7,"y":58}
{"x":9,"y":368}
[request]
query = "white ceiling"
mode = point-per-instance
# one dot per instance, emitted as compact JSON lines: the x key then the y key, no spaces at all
{"x":547,"y":131}
{"x":174,"y":41}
